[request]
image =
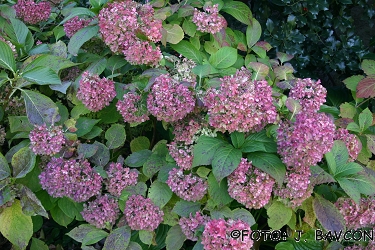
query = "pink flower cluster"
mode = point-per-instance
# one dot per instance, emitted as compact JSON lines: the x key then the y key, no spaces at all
{"x":250,"y":186}
{"x":357,"y":216}
{"x":187,"y":187}
{"x":186,"y":128}
{"x":169,"y":100}
{"x":353,"y":144}
{"x":32,"y":12}
{"x":304,"y":142}
{"x":120,"y":178}
{"x":209,"y":21}
{"x":309,"y":93}
{"x":297,"y":188}
{"x":132,"y":108}
{"x":216,"y":235}
{"x":101,"y":212}
{"x":123,"y":23}
{"x":190,"y":225}
{"x":71,"y":178}
{"x":46,"y":140}
{"x":142,"y":214}
{"x":75,"y":24}
{"x":182,"y":154}
{"x":241,"y":104}
{"x":95,"y":93}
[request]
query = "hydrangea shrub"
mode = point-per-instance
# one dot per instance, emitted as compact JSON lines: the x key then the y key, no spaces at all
{"x":129,"y":125}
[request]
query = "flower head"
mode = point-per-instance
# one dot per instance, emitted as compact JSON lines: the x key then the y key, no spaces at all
{"x":182,"y":154}
{"x":132,"y":108}
{"x":309,"y":93}
{"x":142,"y":214}
{"x":191,"y":224}
{"x":32,"y":12}
{"x":353,"y":144}
{"x":46,"y":140}
{"x":209,"y":21}
{"x":75,"y":24}
{"x":95,"y":93}
{"x":101,"y":212}
{"x":120,"y":178}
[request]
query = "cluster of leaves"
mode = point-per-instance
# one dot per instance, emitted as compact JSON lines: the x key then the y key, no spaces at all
{"x":299,"y":27}
{"x":101,"y":137}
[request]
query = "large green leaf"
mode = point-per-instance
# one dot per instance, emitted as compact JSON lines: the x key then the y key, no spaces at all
{"x":368,"y":66}
{"x":365,"y":119}
{"x":118,"y":239}
{"x":174,"y":33}
{"x":42,"y":75}
{"x":6,"y":57}
{"x":4,"y":167}
{"x":80,"y":232}
{"x":56,"y":63}
{"x":31,"y":205}
{"x":188,"y":50}
{"x":185,"y":208}
{"x":23,"y":162}
{"x":18,"y":31}
{"x":238,"y":10}
{"x":102,"y":156}
{"x":84,"y":125}
{"x":82,"y":36}
{"x":40,"y":109}
{"x":259,"y":142}
{"x":78,"y":11}
{"x":60,"y":217}
{"x":218,"y":191}
{"x":175,"y":238}
{"x":115,"y":136}
{"x":160,"y":193}
{"x":278,"y":215}
{"x":269,"y":163}
{"x":16,"y":226}
{"x":253,"y":33}
{"x":205,"y":149}
{"x":328,"y":215}
{"x":223,"y":58}
{"x":225,"y":161}
{"x":137,"y":159}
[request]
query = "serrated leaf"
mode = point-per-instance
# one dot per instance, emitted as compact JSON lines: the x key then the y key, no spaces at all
{"x":238,"y":139}
{"x":347,"y":169}
{"x":93,"y":237}
{"x":218,"y":192}
{"x":259,"y":142}
{"x":115,"y":136}
{"x":238,"y":10}
{"x":69,"y":207}
{"x":60,"y":217}
{"x":225,"y":161}
{"x":153,"y":164}
{"x":79,"y":233}
{"x":223,"y":58}
{"x":366,"y":88}
{"x":42,"y":76}
{"x":175,"y":238}
{"x":37,"y":244}
{"x":82,"y":36}
{"x":139,"y":143}
{"x":365,"y":119}
{"x":174,"y":33}
{"x":368,"y":66}
{"x":188,"y":50}
{"x":269,"y":163}
{"x":87,"y":150}
{"x":204,"y":150}
{"x":278,"y":215}
{"x":352,"y":82}
{"x":6,"y":57}
{"x":146,"y":236}
{"x":353,"y":127}
{"x":260,"y":70}
{"x":102,"y":156}
{"x":293,"y":105}
{"x":347,"y":110}
{"x":118,"y":239}
{"x":23,"y":162}
{"x":371,"y":143}
{"x":244,"y":215}
{"x":328,"y":215}
{"x":15,"y":226}
{"x":40,"y":109}
{"x":160,"y":193}
{"x":4,"y":167}
{"x":84,"y":125}
{"x":185,"y":208}
{"x":283,"y":57}
{"x":137,"y":159}
{"x":253,"y":33}
{"x":31,"y":205}
{"x":78,"y":11}
{"x":319,"y":176}
{"x":56,"y":63}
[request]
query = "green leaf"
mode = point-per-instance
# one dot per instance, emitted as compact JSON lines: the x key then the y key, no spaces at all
{"x":153,"y":164}
{"x":118,"y":239}
{"x":98,"y":3}
{"x":244,"y":215}
{"x":185,"y":208}
{"x":225,"y":161}
{"x":260,"y":70}
{"x":60,"y":217}
{"x":137,"y":159}
{"x":139,"y":143}
{"x":238,"y":139}
{"x":133,"y":246}
{"x":15,"y":226}
{"x":23,"y":162}
{"x":352,"y":82}
{"x":160,"y":193}
{"x":175,"y":238}
{"x":102,"y":156}
{"x":85,"y":125}
{"x":205,"y":149}
{"x":238,"y":10}
{"x":4,"y":167}
{"x":368,"y":66}
{"x":259,"y":142}
{"x":284,"y":246}
{"x":19,"y":31}
{"x":223,"y":58}
{"x":37,"y":244}
{"x":42,"y":76}
{"x":328,"y":215}
{"x":82,"y":36}
{"x":293,"y":105}
{"x":353,"y":127}
{"x":39,"y":108}
{"x":56,"y":63}
{"x":85,"y":150}
{"x":269,"y":163}
{"x":139,"y":189}
{"x":365,"y":119}
{"x":337,"y":157}
{"x":115,"y":136}
{"x":371,"y":143}
{"x":80,"y":232}
{"x":188,"y":50}
{"x":253,"y":33}
{"x":174,"y":33}
{"x":69,"y":207}
{"x":31,"y":205}
{"x":319,"y":176}
{"x":7,"y":58}
{"x":146,"y":236}
{"x":347,"y":110}
{"x":278,"y":215}
{"x":78,"y":11}
{"x":93,"y":237}
{"x":189,"y":27}
{"x":218,"y":191}
{"x":348,"y":169}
